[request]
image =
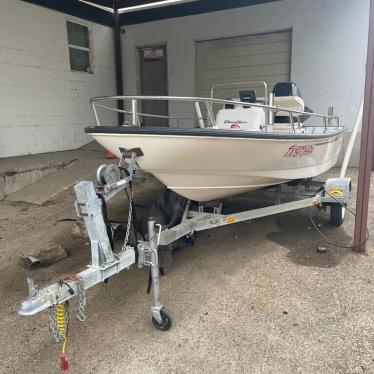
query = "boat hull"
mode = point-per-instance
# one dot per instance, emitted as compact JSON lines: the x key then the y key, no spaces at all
{"x":207,"y":167}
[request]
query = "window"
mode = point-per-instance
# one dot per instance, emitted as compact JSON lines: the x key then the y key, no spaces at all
{"x":79,"y":47}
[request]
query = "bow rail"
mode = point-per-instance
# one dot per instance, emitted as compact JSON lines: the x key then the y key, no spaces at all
{"x":329,"y":120}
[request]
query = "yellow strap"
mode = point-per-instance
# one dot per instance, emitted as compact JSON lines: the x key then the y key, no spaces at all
{"x":63,"y":348}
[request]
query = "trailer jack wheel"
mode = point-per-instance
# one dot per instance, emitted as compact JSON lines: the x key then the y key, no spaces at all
{"x":337,"y":214}
{"x":166,"y":323}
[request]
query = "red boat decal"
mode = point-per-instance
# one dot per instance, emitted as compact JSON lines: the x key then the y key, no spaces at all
{"x":299,"y":151}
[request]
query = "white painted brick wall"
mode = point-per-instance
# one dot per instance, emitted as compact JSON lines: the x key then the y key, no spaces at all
{"x":43,"y":105}
{"x":328,"y":48}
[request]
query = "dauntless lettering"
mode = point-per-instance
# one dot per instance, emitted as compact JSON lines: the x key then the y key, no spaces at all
{"x":238,"y":121}
{"x":299,"y":150}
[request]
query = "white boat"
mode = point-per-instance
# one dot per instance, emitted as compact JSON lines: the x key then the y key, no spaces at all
{"x":247,"y":145}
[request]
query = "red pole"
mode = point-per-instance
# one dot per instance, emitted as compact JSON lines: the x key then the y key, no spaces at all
{"x":367,"y":144}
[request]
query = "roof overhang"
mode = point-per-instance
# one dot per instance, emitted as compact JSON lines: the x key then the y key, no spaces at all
{"x":140,"y":11}
{"x":133,"y":6}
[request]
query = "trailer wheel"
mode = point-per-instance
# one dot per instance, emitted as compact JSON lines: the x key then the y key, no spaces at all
{"x":166,"y":321}
{"x":337,"y":214}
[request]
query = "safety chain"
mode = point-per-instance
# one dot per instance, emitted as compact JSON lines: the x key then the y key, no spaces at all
{"x":58,"y":337}
{"x":129,"y":219}
{"x":82,"y":301}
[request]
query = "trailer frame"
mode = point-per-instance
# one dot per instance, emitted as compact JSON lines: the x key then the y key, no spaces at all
{"x":197,"y":217}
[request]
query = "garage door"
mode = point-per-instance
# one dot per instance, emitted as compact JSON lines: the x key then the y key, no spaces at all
{"x":263,"y":57}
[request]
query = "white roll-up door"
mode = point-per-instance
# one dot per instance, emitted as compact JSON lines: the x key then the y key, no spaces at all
{"x":262,"y":57}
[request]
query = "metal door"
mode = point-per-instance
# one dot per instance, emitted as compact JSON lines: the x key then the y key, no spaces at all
{"x":153,"y":80}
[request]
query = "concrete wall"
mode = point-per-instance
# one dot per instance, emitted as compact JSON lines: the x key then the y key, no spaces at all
{"x":328,"y":48}
{"x":43,"y":105}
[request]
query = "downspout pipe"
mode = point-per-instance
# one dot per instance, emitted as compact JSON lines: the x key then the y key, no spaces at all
{"x":118,"y":63}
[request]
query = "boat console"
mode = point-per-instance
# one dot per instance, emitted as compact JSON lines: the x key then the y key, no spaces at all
{"x":240,"y":118}
{"x":252,"y":118}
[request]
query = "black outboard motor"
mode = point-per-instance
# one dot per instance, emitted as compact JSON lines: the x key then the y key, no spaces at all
{"x":286,"y":89}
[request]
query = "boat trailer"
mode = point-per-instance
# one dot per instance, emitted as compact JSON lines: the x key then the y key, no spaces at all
{"x":90,"y":205}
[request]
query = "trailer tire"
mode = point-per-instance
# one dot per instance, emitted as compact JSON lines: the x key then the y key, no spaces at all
{"x":337,"y":214}
{"x":166,"y":321}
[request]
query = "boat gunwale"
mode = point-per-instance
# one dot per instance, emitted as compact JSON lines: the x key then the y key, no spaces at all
{"x":205,"y":132}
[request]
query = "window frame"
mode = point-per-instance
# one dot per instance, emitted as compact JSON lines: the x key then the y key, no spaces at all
{"x":77,"y":47}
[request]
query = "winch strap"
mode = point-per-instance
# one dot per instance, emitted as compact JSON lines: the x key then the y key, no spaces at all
{"x":149,"y":286}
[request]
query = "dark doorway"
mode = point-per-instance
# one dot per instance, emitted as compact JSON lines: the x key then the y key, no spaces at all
{"x":154,"y":82}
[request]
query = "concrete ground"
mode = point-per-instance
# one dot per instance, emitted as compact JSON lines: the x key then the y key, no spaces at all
{"x":246,"y":298}
{"x":21,"y":174}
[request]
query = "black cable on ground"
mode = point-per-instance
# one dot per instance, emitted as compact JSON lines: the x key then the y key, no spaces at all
{"x":325,"y":238}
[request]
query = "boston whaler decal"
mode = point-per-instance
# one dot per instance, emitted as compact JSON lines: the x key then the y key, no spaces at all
{"x":235,"y":124}
{"x":299,"y":151}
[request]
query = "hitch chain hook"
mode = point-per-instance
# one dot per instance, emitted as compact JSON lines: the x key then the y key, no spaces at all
{"x":59,"y":316}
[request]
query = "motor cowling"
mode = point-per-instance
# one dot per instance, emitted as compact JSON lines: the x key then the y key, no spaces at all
{"x":286,"y":89}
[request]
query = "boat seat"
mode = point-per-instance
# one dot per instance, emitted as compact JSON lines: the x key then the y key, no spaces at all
{"x":289,"y":102}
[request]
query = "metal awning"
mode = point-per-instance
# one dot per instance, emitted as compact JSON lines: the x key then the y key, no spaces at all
{"x":128,"y":6}
{"x":139,"y":11}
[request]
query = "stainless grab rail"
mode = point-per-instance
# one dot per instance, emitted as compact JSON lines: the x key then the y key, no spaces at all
{"x":140,"y":113}
{"x":253,"y":84}
{"x":270,"y":108}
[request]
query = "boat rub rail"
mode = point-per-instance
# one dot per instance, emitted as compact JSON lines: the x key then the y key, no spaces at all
{"x":207,"y":132}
